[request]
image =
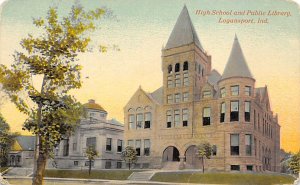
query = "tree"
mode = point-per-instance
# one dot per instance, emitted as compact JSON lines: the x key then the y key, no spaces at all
{"x":204,"y":150}
{"x":53,"y":57}
{"x":91,"y":153}
{"x":294,"y":163}
{"x":129,"y":155}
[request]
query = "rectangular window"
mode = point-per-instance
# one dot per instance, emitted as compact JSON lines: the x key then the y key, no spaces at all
{"x":185,"y":79}
{"x":247,"y":111}
{"x":66,"y":147}
{"x":130,"y":143}
{"x":148,"y":118}
{"x":234,"y":90}
{"x":169,"y":119}
{"x":177,"y":80}
{"x":107,"y":164}
{"x":170,"y":81}
{"x":234,"y":111}
{"x":234,"y":144}
{"x":248,"y":144}
{"x":131,"y":121}
{"x":206,"y":116}
{"x":120,"y":145}
{"x":108,"y":144}
{"x":76,"y":163}
{"x":87,"y":163}
{"x":247,"y":90}
{"x":147,"y":147}
{"x":223,"y":92}
{"x":177,"y":98}
{"x":254,"y":119}
{"x":91,"y":142}
{"x":235,"y":167}
{"x":206,"y":94}
{"x":214,"y":150}
{"x":139,"y":121}
{"x":255,"y":147}
{"x":138,"y":147}
{"x":249,"y":167}
{"x":119,"y":165}
{"x":223,"y":110}
{"x":176,"y":118}
{"x":185,"y":97}
{"x":170,"y":98}
{"x":185,"y":117}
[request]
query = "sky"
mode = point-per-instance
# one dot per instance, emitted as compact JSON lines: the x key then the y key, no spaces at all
{"x":141,"y":29}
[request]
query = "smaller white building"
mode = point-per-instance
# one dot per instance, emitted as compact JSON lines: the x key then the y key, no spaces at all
{"x":106,"y":136}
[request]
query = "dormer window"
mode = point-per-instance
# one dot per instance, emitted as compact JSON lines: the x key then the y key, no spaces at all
{"x":185,"y":66}
{"x":206,"y":94}
{"x":177,"y":67}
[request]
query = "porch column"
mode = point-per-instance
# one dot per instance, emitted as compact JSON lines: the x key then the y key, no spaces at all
{"x":181,"y":163}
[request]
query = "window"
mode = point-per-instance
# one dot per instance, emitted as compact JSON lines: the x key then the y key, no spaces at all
{"x":131,"y":121}
{"x":120,"y":145}
{"x":234,"y":90}
{"x":234,"y":111}
{"x":130,"y":143}
{"x":235,"y":167}
{"x":206,"y":94}
{"x":185,"y":117}
{"x":177,"y":98}
{"x":138,"y":147}
{"x":199,"y":68}
{"x":249,"y":167}
{"x":177,"y":67}
{"x":107,"y":164}
{"x":176,"y":118}
{"x":185,"y":79}
{"x":87,"y":163}
{"x":108,"y":144}
{"x":66,"y":147}
{"x":147,"y":120}
{"x":170,"y":81}
{"x":206,"y":116}
{"x":139,"y":121}
{"x":185,"y":97}
{"x":247,"y":111}
{"x":214,"y":150}
{"x":170,"y":69}
{"x":169,"y":119}
{"x":147,"y":147}
{"x":170,"y":98}
{"x":248,"y":143}
{"x":248,"y":91}
{"x":185,"y":66}
{"x":255,"y":147}
{"x":234,"y":144}
{"x":119,"y":165}
{"x":223,"y":92}
{"x":177,"y":80}
{"x":223,"y":110}
{"x":91,"y":143}
{"x":76,"y":163}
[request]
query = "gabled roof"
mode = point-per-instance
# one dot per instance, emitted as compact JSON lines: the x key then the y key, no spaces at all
{"x":183,"y":32}
{"x":236,"y":65}
{"x":214,"y":77}
{"x":26,"y":142}
{"x":116,"y":122}
{"x":157,"y":95}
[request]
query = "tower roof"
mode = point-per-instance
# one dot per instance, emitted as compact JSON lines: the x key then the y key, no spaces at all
{"x":93,"y":105}
{"x":236,"y":65}
{"x":183,"y":32}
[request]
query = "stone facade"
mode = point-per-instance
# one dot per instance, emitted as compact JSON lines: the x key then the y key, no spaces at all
{"x":106,"y":136}
{"x":197,"y":104}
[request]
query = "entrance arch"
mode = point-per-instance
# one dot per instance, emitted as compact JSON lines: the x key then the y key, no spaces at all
{"x":192,"y":161}
{"x":171,"y":153}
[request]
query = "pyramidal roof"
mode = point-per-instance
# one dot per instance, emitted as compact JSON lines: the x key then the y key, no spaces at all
{"x":183,"y":32}
{"x":236,"y":65}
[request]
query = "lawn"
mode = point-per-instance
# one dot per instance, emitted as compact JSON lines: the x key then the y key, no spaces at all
{"x":95,"y":174}
{"x":223,"y":178}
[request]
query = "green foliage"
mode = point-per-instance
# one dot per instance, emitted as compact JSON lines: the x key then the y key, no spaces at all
{"x":294,"y":163}
{"x":129,"y":155}
{"x":91,"y":153}
{"x":204,"y":150}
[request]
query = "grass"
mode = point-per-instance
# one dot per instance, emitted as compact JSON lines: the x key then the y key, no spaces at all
{"x":3,"y":169}
{"x":223,"y":178}
{"x":95,"y":174}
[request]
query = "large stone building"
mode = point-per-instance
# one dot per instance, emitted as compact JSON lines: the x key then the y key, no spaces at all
{"x":105,"y":136}
{"x":196,"y":104}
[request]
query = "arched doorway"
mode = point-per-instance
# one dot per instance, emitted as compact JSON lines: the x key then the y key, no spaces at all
{"x":192,"y":161}
{"x":171,"y":153}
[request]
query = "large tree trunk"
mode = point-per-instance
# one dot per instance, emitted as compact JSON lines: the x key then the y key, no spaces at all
{"x":38,"y":179}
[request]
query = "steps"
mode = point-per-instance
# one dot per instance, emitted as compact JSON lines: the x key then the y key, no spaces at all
{"x":171,"y":165}
{"x":141,"y":176}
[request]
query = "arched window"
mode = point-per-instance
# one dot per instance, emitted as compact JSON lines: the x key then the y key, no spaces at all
{"x":170,"y":69}
{"x":185,"y":66}
{"x":177,"y":67}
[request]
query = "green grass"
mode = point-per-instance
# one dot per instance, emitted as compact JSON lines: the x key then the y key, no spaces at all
{"x":223,"y":178}
{"x":95,"y":174}
{"x":3,"y":169}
